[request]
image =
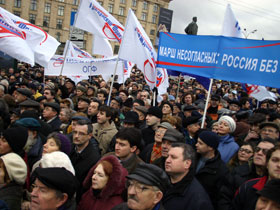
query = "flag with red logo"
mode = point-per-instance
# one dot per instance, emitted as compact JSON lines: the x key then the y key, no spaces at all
{"x":136,"y":47}
{"x":75,"y":51}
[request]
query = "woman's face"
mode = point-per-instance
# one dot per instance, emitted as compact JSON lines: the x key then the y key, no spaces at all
{"x":50,"y":146}
{"x":2,"y":172}
{"x":215,"y":129}
{"x":99,"y":178}
{"x":166,"y":109}
{"x":159,"y":134}
{"x":4,"y":146}
{"x":244,"y":153}
{"x":223,"y":128}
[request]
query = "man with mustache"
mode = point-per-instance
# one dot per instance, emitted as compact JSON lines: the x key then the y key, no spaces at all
{"x":145,"y":188}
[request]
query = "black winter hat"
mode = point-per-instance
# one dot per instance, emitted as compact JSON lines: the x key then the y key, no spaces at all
{"x":131,"y":117}
{"x":154,"y":110}
{"x":55,"y":106}
{"x":271,"y":190}
{"x":152,"y":175}
{"x":210,"y":138}
{"x":58,"y":179}
{"x":168,"y":103}
{"x":16,"y":138}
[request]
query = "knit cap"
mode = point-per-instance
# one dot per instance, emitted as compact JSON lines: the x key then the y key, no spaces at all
{"x":210,"y":138}
{"x":16,"y":167}
{"x":16,"y":138}
{"x":65,"y":143}
{"x":231,"y":123}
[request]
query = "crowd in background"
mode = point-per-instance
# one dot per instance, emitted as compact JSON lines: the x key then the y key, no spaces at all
{"x":63,"y":145}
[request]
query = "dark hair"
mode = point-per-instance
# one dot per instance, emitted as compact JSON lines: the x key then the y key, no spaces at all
{"x":52,"y":91}
{"x":102,"y":91}
{"x":108,"y":110}
{"x":269,"y":153}
{"x":54,"y":136}
{"x":132,"y":135}
{"x":188,"y":152}
{"x":94,"y":99}
{"x":256,"y":118}
{"x":243,"y":100}
{"x":86,"y":122}
{"x":270,"y":140}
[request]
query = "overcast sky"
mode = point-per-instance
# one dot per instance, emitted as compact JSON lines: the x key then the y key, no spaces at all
{"x":263,"y":15}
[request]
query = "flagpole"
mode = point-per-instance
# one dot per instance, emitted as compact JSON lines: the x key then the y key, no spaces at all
{"x":155,"y":92}
{"x":70,"y":35}
{"x":206,"y":104}
{"x":178,"y":85}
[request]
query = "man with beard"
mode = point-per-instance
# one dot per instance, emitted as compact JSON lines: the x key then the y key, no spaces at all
{"x":83,"y":156}
{"x":145,"y":188}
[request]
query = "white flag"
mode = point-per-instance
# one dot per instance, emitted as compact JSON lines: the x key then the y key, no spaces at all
{"x":260,"y":92}
{"x":137,"y":48}
{"x":231,"y":26}
{"x":101,"y":46}
{"x":39,"y":42}
{"x":75,"y":51}
{"x":162,"y":83}
{"x":127,"y":67}
{"x":92,"y":17}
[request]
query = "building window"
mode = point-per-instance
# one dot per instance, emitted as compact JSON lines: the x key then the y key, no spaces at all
{"x":58,"y":36}
{"x":2,"y":1}
{"x":134,"y":3}
{"x":121,"y":11}
{"x":74,"y":10}
{"x":17,"y":13}
{"x":116,"y":49}
{"x":110,"y":8}
{"x":59,"y":24}
{"x":75,"y":2}
{"x":48,"y":8}
{"x":154,"y":19}
{"x":122,"y":1}
{"x":32,"y":18}
{"x":144,"y":16}
{"x":152,"y":32}
{"x":60,"y":11}
{"x":100,"y":2}
{"x":18,"y":3}
{"x":33,"y":5}
{"x":61,"y":0}
{"x":46,"y":21}
{"x":145,"y":5}
{"x":155,"y":7}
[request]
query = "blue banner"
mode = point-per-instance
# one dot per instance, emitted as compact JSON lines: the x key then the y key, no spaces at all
{"x":226,"y":58}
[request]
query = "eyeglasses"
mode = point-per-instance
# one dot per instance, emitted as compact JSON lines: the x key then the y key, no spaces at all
{"x":264,"y":151}
{"x":245,"y":150}
{"x":139,"y":188}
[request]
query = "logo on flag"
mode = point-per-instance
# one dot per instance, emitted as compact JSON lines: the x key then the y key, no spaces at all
{"x":161,"y":76}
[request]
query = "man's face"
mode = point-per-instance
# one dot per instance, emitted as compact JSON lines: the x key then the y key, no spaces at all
{"x":79,"y":92}
{"x":152,"y":120}
{"x":259,"y":158}
{"x":193,"y":128}
{"x":114,"y":104}
{"x":48,"y":95}
{"x":123,"y":149}
{"x":69,"y":85}
{"x":19,"y":97}
{"x":49,"y":113}
{"x":82,"y":105}
{"x":234,"y":107}
{"x":141,"y":196}
{"x":214,"y":103}
{"x":144,"y":95}
{"x":100,"y":96}
{"x":101,"y":117}
{"x":123,"y":96}
{"x":93,"y":109}
{"x":80,"y":135}
{"x":269,"y":132}
{"x":44,"y":198}
{"x":166,"y":109}
{"x":201,"y":147}
{"x":273,"y":165}
{"x":165,"y":147}
{"x":188,"y":99}
{"x":264,"y":203}
{"x":175,"y":163}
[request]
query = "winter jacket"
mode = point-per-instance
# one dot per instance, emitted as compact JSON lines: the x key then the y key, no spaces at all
{"x":148,"y":135}
{"x":227,"y":147}
{"x":246,"y":196}
{"x":212,"y":177}
{"x":104,"y":135}
{"x":55,"y":124}
{"x":110,"y":195}
{"x":187,"y":194}
{"x":124,"y":206}
{"x":12,"y":194}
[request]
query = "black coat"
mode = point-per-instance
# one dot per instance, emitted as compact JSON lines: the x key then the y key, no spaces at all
{"x":55,"y":124}
{"x":238,"y":176}
{"x":187,"y":194}
{"x":246,"y":196}
{"x":82,"y":163}
{"x":148,"y":135}
{"x":212,"y":177}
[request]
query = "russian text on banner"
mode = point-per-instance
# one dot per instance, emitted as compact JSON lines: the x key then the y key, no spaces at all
{"x":225,"y":58}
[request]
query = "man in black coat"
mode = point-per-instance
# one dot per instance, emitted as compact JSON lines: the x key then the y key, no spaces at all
{"x":186,"y":192}
{"x":82,"y":155}
{"x":211,"y":170}
{"x":50,"y":114}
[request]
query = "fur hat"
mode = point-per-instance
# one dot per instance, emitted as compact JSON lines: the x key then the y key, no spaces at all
{"x":230,"y":121}
{"x":16,"y":167}
{"x":57,"y":159}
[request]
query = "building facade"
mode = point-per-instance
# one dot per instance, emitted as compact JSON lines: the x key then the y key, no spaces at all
{"x":54,"y":17}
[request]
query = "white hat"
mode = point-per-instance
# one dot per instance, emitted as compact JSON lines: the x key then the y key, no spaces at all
{"x":57,"y":159}
{"x":16,"y":167}
{"x":230,"y":121}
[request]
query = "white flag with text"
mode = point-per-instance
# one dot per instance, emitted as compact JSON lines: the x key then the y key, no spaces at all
{"x":231,"y":26}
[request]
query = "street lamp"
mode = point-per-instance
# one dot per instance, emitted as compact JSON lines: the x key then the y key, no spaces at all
{"x":246,"y":34}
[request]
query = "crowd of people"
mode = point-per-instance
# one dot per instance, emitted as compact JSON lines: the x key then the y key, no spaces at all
{"x":65,"y":146}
